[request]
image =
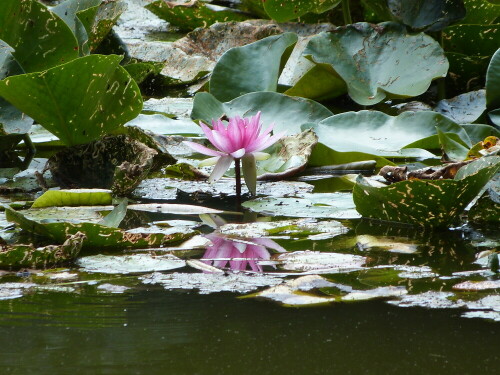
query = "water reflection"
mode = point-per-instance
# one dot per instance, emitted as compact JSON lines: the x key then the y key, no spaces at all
{"x":239,"y":253}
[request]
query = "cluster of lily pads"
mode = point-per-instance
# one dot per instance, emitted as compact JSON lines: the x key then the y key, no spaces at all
{"x":100,"y":99}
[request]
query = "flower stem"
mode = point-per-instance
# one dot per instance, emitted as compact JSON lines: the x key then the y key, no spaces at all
{"x":237,"y":172}
{"x":346,"y":11}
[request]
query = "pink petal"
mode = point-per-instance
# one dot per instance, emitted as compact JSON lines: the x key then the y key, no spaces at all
{"x":269,"y":244}
{"x":222,"y":142}
{"x":202,"y":149}
{"x":207,"y":131}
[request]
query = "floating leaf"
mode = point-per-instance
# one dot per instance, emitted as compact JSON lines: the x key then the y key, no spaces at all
{"x":324,"y":262}
{"x":74,"y":197}
{"x":40,"y":38}
{"x":124,"y":264}
{"x":283,"y":11}
{"x":67,"y":11}
{"x":378,"y":61}
{"x":427,"y":15}
{"x":103,"y":98}
{"x":472,"y":40}
{"x":481,"y":12}
{"x":376,"y":133}
{"x":254,"y":67}
{"x":98,"y":236}
{"x":464,"y":108}
{"x":286,"y":112}
{"x":327,"y":205}
{"x":428,"y":203}
{"x":193,"y":14}
{"x":18,"y":256}
{"x":212,"y":282}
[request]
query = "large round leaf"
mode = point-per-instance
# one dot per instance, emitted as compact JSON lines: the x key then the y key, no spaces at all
{"x":425,"y":202}
{"x":379,"y":61}
{"x":493,"y":82}
{"x":431,"y":15}
{"x":79,"y":101}
{"x":40,"y":38}
{"x":286,"y":112}
{"x":379,"y":134}
{"x":283,"y":11}
{"x":254,"y":67}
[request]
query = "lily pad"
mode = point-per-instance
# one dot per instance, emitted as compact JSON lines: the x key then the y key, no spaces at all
{"x":428,"y":203}
{"x":103,"y":98}
{"x":315,"y":261}
{"x":465,"y":108}
{"x":472,"y":40}
{"x":283,"y":11}
{"x":74,"y":197}
{"x":376,"y":133}
{"x":168,"y":188}
{"x":125,"y":264}
{"x":378,"y":61}
{"x":212,"y":282}
{"x":294,"y":292}
{"x":381,"y":292}
{"x":493,"y":82}
{"x":251,"y":68}
{"x":193,"y":14}
{"x":286,"y":112}
{"x":294,"y":228}
{"x":427,"y":15}
{"x":324,"y":205}
{"x":97,"y":235}
{"x":40,"y":38}
{"x":18,"y":256}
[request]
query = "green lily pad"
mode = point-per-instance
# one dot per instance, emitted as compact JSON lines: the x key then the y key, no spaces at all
{"x":103,"y":98}
{"x":464,"y":108}
{"x":427,"y":15}
{"x":481,"y":12}
{"x":478,"y":132}
{"x":472,"y":40}
{"x":286,"y":112}
{"x":324,"y":205}
{"x":40,"y":38}
{"x":254,"y":67}
{"x":98,"y":236}
{"x":376,"y":133}
{"x":493,"y":82}
{"x":193,"y":14}
{"x":379,"y":61}
{"x":426,"y":203}
{"x":99,"y":20}
{"x":125,"y":264}
{"x":67,"y":11}
{"x":19,"y":256}
{"x":74,"y":197}
{"x":283,"y":11}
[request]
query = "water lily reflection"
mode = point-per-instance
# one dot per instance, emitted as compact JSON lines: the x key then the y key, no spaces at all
{"x":240,"y":253}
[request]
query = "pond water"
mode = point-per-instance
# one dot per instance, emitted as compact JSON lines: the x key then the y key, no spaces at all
{"x":158,"y":332}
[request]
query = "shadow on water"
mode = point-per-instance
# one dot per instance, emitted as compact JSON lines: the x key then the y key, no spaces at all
{"x":158,"y":332}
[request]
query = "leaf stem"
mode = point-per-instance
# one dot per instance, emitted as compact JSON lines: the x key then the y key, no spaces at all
{"x":346,"y":11}
{"x":237,"y":172}
{"x":441,"y":82}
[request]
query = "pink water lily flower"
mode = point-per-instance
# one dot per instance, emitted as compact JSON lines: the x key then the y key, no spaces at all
{"x":240,"y":139}
{"x":240,"y":253}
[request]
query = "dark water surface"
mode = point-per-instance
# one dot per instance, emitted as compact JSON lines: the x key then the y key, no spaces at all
{"x":160,"y":332}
